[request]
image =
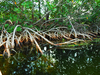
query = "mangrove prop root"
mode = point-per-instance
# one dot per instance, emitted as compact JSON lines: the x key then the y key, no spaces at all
{"x":8,"y":40}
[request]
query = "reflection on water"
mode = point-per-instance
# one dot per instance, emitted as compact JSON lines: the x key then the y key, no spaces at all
{"x":55,"y":61}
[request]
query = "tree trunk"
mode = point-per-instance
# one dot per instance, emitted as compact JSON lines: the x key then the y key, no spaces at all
{"x":61,"y":20}
{"x":47,"y":16}
{"x":33,"y":10}
{"x":39,"y":9}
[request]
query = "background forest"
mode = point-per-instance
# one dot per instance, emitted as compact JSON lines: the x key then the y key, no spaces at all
{"x":46,"y":14}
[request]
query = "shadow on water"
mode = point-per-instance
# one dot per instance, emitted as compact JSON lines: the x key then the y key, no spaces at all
{"x":55,"y":61}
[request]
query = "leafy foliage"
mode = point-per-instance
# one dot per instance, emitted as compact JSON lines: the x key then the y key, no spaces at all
{"x":21,"y":11}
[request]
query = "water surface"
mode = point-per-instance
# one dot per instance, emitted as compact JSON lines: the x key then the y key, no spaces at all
{"x":78,"y":61}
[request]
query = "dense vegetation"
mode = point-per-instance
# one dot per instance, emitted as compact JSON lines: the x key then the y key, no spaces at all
{"x":45,"y":14}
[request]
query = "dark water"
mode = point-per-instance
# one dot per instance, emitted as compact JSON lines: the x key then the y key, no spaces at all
{"x":55,"y":61}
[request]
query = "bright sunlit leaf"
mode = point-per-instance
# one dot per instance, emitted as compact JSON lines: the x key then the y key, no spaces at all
{"x":63,"y":39}
{"x":82,"y":22}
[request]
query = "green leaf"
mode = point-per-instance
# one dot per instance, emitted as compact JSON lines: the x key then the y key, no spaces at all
{"x":17,"y":10}
{"x":63,"y":39}
{"x":69,"y":26}
{"x":11,"y":29}
{"x":68,"y":1}
{"x":30,"y":26}
{"x":28,"y":7}
{"x":82,"y":22}
{"x":25,"y":25}
{"x":48,"y":3}
{"x":19,"y":29}
{"x":23,"y":4}
{"x":36,"y":0}
{"x":54,"y":9}
{"x":0,"y":28}
{"x":6,"y":25}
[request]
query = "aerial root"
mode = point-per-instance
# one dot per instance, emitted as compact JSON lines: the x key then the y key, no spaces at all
{"x":10,"y":39}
